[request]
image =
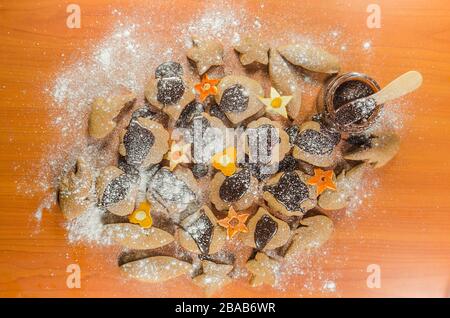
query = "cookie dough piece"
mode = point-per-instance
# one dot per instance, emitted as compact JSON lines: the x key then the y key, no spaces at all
{"x":75,"y":195}
{"x":214,"y":277}
{"x":144,"y":142}
{"x":169,"y":90}
{"x":347,"y":183}
{"x":205,"y":54}
{"x":313,"y":232}
{"x":266,"y":143}
{"x":237,"y":97}
{"x":238,"y":190}
{"x":200,"y":233}
{"x":103,"y":112}
{"x":115,"y":191}
{"x":264,"y":270}
{"x":289,"y":193}
{"x":382,"y":149}
{"x":133,"y":236}
{"x":314,"y":146}
{"x":285,"y":82}
{"x":252,"y":49}
{"x":156,"y":269}
{"x":266,"y":232}
{"x":176,"y":192}
{"x":310,"y":57}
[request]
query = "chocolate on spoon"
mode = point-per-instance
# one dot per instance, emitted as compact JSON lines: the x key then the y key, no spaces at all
{"x":362,"y":108}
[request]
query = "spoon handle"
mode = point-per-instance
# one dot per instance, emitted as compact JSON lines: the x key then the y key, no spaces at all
{"x":402,"y":85}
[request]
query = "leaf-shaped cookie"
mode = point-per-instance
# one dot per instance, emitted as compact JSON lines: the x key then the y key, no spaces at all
{"x":156,"y":269}
{"x":135,"y":237}
{"x":383,"y":149}
{"x":284,"y":81}
{"x":313,"y":233}
{"x":214,"y":277}
{"x":346,"y":185}
{"x":75,"y":190}
{"x":310,"y":57}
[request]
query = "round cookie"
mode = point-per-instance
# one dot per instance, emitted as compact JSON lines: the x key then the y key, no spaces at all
{"x":289,"y":193}
{"x":200,"y":233}
{"x":269,"y":134}
{"x":314,"y":146}
{"x":169,"y":90}
{"x":237,"y":97}
{"x":144,"y":142}
{"x":265,"y":232}
{"x":115,"y":191}
{"x":75,"y":195}
{"x":238,"y":190}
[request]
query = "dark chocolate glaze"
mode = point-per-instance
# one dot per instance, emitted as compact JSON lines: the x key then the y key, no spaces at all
{"x":349,"y":91}
{"x":169,"y":69}
{"x":234,"y":99}
{"x":290,"y":191}
{"x":201,"y":231}
{"x":137,"y":142}
{"x":234,"y":187}
{"x":116,"y":190}
{"x":314,"y":142}
{"x":267,"y":136}
{"x":265,"y":230}
{"x":191,"y":110}
{"x":170,"y":90}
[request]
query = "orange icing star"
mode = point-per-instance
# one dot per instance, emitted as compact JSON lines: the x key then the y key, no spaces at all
{"x":142,"y":215}
{"x":225,"y":161}
{"x":234,"y":223}
{"x":322,"y":180}
{"x":206,"y":87}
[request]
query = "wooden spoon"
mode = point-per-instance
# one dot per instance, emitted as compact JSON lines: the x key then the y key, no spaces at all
{"x":363,"y":107}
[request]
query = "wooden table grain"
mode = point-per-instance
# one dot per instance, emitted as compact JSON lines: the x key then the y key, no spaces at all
{"x":404,"y":227}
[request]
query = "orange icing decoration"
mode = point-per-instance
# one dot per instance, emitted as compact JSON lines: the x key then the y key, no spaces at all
{"x":225,"y":161}
{"x":142,"y":215}
{"x":234,"y":223}
{"x":322,"y":180}
{"x":206,"y":87}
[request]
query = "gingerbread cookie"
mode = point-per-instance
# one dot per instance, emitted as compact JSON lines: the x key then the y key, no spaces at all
{"x":266,"y":143}
{"x":315,"y":145}
{"x":310,"y":57}
{"x":133,"y":236}
{"x":289,"y":193}
{"x":104,"y":111}
{"x":169,"y":90}
{"x":75,"y":190}
{"x":252,"y":49}
{"x":175,"y":192}
{"x":265,"y":232}
{"x":156,"y":269}
{"x":237,"y":97}
{"x":313,"y":232}
{"x":200,"y":233}
{"x":115,"y":191}
{"x":263,"y":269}
{"x":144,"y":142}
{"x":381,"y":150}
{"x":237,"y":190}
{"x":283,"y":79}
{"x":205,"y":54}
{"x":347,"y":183}
{"x":214,"y":277}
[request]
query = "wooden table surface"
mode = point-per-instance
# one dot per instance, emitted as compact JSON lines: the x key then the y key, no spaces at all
{"x":404,"y":227}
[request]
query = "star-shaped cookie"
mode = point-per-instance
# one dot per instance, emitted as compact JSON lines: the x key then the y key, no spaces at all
{"x":276,"y":103}
{"x":205,"y":53}
{"x":263,"y":269}
{"x":252,"y":49}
